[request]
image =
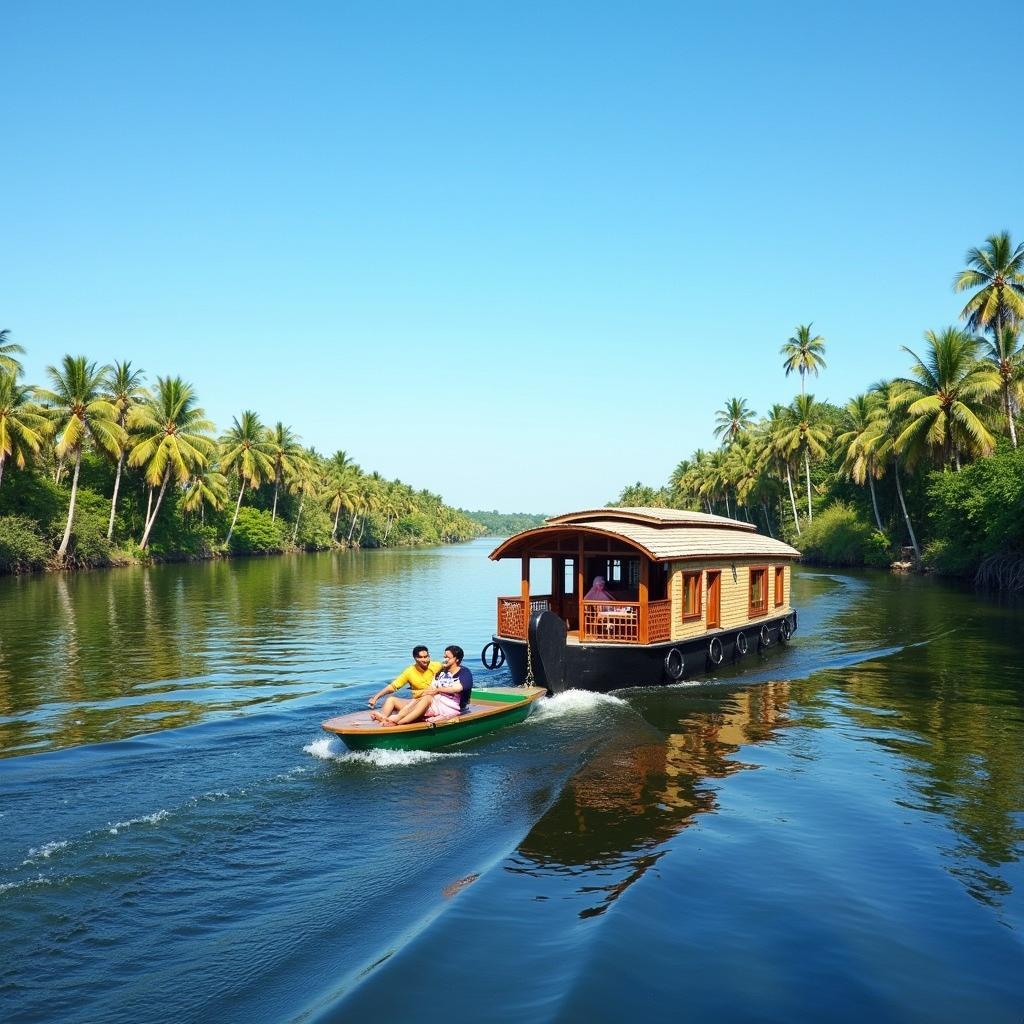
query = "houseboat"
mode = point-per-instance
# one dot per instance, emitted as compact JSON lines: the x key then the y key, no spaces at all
{"x":686,"y":592}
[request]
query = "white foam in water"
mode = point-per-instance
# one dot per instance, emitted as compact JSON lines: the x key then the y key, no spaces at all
{"x":38,"y":880}
{"x":327,"y":748}
{"x":574,"y":702}
{"x":45,"y":851}
{"x":146,"y":819}
{"x":332,"y":749}
{"x":394,"y":758}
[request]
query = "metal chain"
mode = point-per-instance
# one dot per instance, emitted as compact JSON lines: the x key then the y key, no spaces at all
{"x":529,"y":662}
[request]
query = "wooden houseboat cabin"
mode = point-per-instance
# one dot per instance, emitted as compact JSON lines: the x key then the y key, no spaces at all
{"x":689,"y":590}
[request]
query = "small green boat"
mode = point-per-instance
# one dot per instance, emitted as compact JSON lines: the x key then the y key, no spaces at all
{"x":488,"y":709}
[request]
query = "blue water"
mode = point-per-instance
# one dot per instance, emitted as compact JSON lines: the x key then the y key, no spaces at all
{"x":832,"y":833}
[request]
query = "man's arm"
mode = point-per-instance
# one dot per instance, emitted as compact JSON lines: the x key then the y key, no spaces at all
{"x":393,"y":687}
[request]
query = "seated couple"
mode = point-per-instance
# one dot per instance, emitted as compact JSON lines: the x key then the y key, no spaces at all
{"x":439,"y":690}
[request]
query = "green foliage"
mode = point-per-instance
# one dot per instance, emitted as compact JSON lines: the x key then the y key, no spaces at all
{"x":314,"y":528}
{"x":977,"y":512}
{"x":839,"y":535}
{"x":504,"y":524}
{"x":22,"y":547}
{"x":89,"y":547}
{"x":256,"y":533}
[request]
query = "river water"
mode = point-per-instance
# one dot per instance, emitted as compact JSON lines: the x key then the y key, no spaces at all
{"x":833,"y":832}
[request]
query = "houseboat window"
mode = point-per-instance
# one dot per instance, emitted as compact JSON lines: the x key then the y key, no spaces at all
{"x":758,"y":591}
{"x":780,"y":584}
{"x":691,"y":595}
{"x":569,"y":586}
{"x":614,"y":571}
{"x":633,"y":573}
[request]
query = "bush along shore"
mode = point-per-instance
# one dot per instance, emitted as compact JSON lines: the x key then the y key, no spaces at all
{"x":922,"y":471}
{"x":103,"y":468}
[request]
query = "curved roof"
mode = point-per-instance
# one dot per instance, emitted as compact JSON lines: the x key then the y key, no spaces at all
{"x":662,"y":534}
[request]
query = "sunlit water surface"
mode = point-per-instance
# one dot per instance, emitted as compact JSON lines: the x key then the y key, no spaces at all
{"x":833,"y":832}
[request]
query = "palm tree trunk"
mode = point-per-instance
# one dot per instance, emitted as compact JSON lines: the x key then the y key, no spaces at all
{"x":362,"y":527}
{"x":295,"y":532}
{"x":62,"y":550}
{"x":337,"y":516}
{"x":792,"y":499}
{"x":874,"y":501}
{"x":234,"y":518}
{"x":767,"y":521}
{"x":1009,"y":412}
{"x":352,"y":527}
{"x":113,"y":500}
{"x":277,"y":481}
{"x":151,"y":520}
{"x":149,"y":507}
{"x":58,"y":472}
{"x":807,"y":467}
{"x":903,"y":505}
{"x":728,"y":512}
{"x":2,"y":461}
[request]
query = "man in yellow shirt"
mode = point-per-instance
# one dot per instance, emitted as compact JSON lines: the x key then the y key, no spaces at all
{"x":418,"y":676}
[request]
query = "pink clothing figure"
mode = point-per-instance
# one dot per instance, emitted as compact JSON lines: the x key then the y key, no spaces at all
{"x":598,"y":592}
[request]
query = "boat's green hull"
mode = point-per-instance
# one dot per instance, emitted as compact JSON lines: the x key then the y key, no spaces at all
{"x":439,"y":736}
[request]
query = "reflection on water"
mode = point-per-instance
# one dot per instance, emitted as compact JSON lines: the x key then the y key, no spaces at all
{"x":95,"y":657}
{"x":617,"y":811}
{"x":844,"y":818}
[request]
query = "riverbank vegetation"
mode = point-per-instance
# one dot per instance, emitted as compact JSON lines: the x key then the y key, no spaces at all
{"x":923,"y":468}
{"x":504,"y":524}
{"x":100,"y":467}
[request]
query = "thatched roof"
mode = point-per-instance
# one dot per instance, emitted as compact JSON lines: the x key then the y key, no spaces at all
{"x":662,"y":534}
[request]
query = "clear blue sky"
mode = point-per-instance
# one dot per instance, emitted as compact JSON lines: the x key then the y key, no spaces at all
{"x":516,"y":252}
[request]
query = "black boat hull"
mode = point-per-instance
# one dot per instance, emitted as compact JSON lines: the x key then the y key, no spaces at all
{"x":559,"y":665}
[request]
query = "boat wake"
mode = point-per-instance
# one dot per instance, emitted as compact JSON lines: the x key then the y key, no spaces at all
{"x":573,"y":702}
{"x":332,"y":749}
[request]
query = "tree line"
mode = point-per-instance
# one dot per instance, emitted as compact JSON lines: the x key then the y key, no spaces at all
{"x":99,"y":438}
{"x":883,"y":469}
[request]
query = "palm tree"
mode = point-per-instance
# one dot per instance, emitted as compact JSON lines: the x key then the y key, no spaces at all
{"x":246,"y":450}
{"x":306,"y":482}
{"x":807,"y":435}
{"x":1005,"y":351}
{"x":945,"y":398}
{"x":777,"y":428}
{"x":169,"y":439}
{"x":124,"y":390}
{"x":864,"y":420}
{"x":286,"y":451}
{"x":733,"y":420}
{"x":996,"y":270}
{"x":8,"y":363}
{"x":341,"y":492}
{"x":804,"y":353}
{"x":23,"y":425}
{"x":81,"y":413}
{"x":205,"y":487}
{"x":890,"y":428}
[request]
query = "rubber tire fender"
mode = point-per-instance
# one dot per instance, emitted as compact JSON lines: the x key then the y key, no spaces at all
{"x":497,"y":658}
{"x":675,"y":664}
{"x":715,"y":651}
{"x":785,"y":631}
{"x":764,"y":638}
{"x":742,"y":644}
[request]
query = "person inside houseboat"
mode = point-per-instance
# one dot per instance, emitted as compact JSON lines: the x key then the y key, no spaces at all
{"x":418,"y":676}
{"x":446,"y":697}
{"x":598,"y":592}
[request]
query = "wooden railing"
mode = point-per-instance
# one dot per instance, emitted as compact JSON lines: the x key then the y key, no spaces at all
{"x":615,"y":622}
{"x":512,"y":619}
{"x":659,"y":621}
